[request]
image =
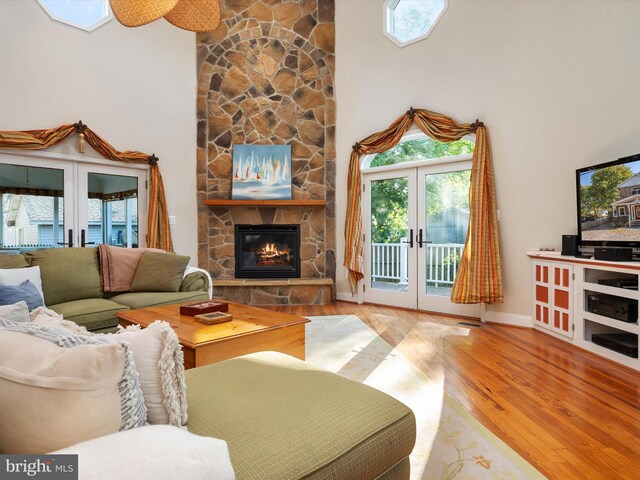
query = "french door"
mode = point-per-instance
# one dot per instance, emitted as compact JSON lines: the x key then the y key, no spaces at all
{"x":48,"y":202}
{"x":415,"y":223}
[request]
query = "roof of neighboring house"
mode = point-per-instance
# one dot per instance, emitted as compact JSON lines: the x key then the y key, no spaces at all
{"x":451,"y":211}
{"x":40,"y":209}
{"x":627,"y":200}
{"x":631,"y":182}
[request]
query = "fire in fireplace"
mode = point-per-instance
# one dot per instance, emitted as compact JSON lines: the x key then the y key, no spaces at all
{"x":267,"y":251}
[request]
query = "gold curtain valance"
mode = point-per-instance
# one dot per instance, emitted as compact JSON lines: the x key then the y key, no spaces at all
{"x":479,"y":277}
{"x":159,"y":235}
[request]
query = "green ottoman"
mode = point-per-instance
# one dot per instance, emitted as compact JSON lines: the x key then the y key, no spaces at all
{"x":285,"y":419}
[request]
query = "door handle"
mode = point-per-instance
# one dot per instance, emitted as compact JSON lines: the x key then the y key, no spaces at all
{"x":410,"y":241}
{"x":419,"y":239}
{"x":82,"y":239}
{"x":70,"y":239}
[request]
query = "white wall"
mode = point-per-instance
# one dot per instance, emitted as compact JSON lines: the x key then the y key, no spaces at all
{"x":135,"y":87}
{"x":556,"y":83}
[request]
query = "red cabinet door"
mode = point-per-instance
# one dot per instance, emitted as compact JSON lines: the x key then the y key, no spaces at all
{"x":553,"y":296}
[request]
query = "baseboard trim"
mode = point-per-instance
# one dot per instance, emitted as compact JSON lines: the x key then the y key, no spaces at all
{"x":487,"y":316}
{"x":508,"y":319}
{"x":346,"y":297}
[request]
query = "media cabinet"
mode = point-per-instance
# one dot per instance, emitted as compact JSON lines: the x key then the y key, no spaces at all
{"x":561,"y":289}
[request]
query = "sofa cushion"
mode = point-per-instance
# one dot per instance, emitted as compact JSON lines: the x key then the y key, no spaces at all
{"x":92,"y":313}
{"x":68,"y":274}
{"x":151,"y":299}
{"x":267,"y":405}
{"x":14,"y":261}
{"x":159,"y":272}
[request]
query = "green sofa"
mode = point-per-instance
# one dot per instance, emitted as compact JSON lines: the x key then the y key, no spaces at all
{"x":71,"y":284}
{"x":282,"y":418}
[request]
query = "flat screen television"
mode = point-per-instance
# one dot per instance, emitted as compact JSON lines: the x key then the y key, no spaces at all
{"x":609,"y":203}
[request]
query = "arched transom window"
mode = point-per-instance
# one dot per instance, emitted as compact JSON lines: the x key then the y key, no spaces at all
{"x":419,"y":148}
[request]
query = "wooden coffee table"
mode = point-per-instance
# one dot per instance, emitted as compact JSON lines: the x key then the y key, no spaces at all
{"x":251,"y":330}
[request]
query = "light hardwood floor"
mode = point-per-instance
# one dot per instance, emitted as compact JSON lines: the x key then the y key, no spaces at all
{"x":571,"y":414}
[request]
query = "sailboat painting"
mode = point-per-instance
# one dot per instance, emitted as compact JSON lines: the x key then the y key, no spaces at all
{"x":261,"y":172}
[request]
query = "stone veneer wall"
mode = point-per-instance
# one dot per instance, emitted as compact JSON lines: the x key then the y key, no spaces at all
{"x":266,"y":76}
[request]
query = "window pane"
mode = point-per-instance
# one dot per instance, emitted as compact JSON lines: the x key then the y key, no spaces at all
{"x":422,"y":149}
{"x":31,"y":198}
{"x":414,"y":18}
{"x":82,"y":14}
{"x":113,"y":210}
{"x":389,"y":233}
{"x":447,"y":223}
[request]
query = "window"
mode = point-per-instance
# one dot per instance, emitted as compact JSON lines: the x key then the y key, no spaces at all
{"x":86,"y":15}
{"x":635,"y":191}
{"x":622,"y":211}
{"x":409,"y":21}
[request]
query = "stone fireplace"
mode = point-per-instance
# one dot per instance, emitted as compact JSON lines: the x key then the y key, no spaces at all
{"x":267,"y":251}
{"x":266,"y":77}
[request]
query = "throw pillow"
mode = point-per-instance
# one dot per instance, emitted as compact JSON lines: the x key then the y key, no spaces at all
{"x":159,"y":272}
{"x":157,"y":452}
{"x":118,"y":266}
{"x":68,"y":274}
{"x":26,"y":292}
{"x":71,"y":388}
{"x":159,"y":361}
{"x":16,"y":313}
{"x":17,"y":276}
{"x":52,"y":397}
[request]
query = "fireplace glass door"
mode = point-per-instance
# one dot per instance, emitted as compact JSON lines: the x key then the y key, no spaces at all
{"x":267,"y":251}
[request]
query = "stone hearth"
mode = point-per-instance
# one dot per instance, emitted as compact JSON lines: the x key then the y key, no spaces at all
{"x":292,"y":291}
{"x":266,"y":77}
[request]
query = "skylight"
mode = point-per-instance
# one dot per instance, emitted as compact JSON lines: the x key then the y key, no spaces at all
{"x":408,"y":21}
{"x":86,"y":15}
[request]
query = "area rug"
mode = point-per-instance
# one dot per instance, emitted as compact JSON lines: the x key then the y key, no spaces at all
{"x":450,"y":443}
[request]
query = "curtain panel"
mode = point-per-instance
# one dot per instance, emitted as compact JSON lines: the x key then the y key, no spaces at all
{"x":159,"y":235}
{"x":479,"y":276}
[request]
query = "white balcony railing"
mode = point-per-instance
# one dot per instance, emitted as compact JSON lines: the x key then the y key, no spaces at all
{"x":389,"y":262}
